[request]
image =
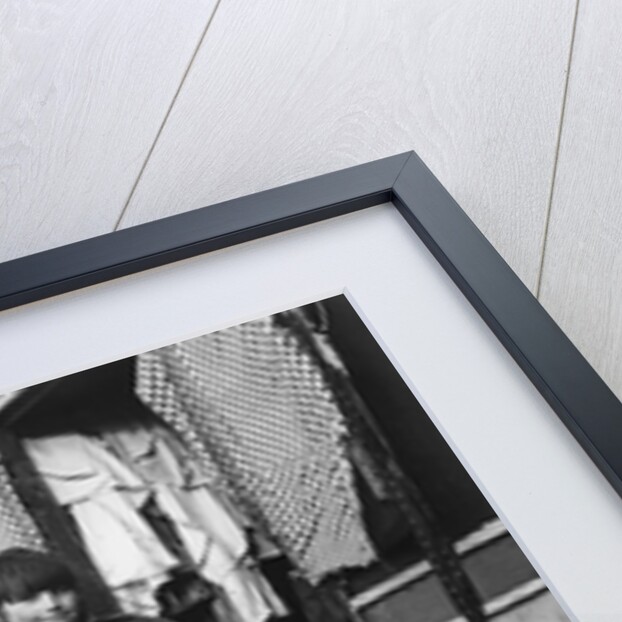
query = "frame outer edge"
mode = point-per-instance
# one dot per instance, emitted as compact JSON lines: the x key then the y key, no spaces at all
{"x":113,"y":255}
{"x":573,"y":389}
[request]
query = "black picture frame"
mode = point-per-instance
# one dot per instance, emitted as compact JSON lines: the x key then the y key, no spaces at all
{"x":572,"y":388}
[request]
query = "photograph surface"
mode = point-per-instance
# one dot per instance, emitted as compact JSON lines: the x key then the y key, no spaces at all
{"x":279,"y":470}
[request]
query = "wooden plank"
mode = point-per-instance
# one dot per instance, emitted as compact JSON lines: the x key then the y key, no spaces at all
{"x":582,"y":272}
{"x":84,"y":87}
{"x":282,"y":91}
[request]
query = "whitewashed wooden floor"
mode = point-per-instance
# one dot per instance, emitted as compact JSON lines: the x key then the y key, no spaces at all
{"x":117,"y":113}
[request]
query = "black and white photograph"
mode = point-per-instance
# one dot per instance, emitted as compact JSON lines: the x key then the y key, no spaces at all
{"x":310,"y":311}
{"x":277,"y":470}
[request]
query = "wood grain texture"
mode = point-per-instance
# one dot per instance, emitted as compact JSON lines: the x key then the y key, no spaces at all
{"x":282,"y":91}
{"x":582,"y":275}
{"x":84,"y":87}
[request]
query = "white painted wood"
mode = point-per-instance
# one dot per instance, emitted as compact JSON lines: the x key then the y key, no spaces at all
{"x":582,"y":276}
{"x":84,"y":87}
{"x":284,"y":90}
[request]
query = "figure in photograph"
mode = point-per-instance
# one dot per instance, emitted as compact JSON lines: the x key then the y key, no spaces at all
{"x":38,"y":587}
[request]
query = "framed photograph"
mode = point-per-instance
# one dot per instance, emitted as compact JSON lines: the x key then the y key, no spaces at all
{"x":328,"y":401}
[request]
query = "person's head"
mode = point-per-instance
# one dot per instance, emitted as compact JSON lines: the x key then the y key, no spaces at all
{"x":37,"y":587}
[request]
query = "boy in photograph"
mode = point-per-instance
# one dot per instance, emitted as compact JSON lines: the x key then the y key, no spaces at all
{"x":37,"y":587}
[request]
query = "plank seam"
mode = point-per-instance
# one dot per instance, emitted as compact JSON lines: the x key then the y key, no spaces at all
{"x":166,"y":116}
{"x":547,"y":218}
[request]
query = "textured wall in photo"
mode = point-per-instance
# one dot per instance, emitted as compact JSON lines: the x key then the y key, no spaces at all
{"x":256,"y":409}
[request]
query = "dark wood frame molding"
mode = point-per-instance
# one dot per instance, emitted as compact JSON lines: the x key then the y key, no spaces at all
{"x":573,"y":389}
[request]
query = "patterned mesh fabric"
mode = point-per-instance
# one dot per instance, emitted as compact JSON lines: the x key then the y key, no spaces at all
{"x":16,"y":526}
{"x":255,"y":410}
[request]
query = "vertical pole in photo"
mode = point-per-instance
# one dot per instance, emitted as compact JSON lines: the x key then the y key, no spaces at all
{"x":420,"y":515}
{"x":54,"y":524}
